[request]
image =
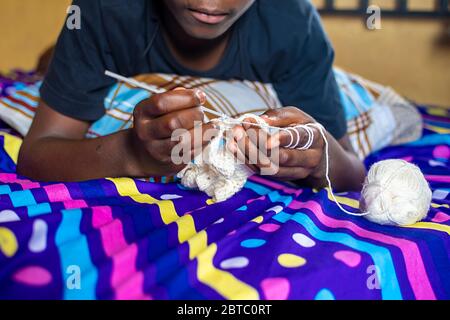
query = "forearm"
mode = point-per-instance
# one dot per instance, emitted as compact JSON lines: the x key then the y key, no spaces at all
{"x":60,"y":159}
{"x":346,"y":171}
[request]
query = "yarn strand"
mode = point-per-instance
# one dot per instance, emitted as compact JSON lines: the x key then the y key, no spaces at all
{"x":230,"y":179}
{"x":327,"y":173}
{"x":307,"y":127}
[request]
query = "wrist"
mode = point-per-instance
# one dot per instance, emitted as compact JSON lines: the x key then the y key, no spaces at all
{"x":133,"y":164}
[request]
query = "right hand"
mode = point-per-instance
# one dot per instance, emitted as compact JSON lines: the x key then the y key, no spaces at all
{"x":155,"y":119}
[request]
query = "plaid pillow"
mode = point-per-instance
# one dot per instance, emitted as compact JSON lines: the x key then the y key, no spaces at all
{"x":229,"y":97}
{"x":376,"y":115}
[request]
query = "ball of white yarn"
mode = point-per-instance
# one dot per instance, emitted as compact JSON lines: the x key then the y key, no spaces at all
{"x":395,"y":192}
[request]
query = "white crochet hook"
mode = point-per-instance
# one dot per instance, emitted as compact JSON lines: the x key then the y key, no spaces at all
{"x":143,"y":85}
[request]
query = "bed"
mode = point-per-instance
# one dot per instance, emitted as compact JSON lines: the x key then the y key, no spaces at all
{"x":123,"y":238}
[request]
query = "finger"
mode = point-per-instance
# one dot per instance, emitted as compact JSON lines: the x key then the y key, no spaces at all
{"x":200,"y":137}
{"x":253,"y":154}
{"x":247,"y":123}
{"x":171,"y":153}
{"x":175,"y":100}
{"x":292,"y":173}
{"x":187,"y":145}
{"x":258,"y":136}
{"x":262,"y":137}
{"x":298,"y":137}
{"x":158,"y":150}
{"x":254,"y":147}
{"x":239,"y":156}
{"x":166,"y":125}
{"x":287,"y":116}
{"x":192,"y":139}
{"x":309,"y":159}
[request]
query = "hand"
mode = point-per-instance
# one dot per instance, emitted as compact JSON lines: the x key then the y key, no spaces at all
{"x":293,"y":164}
{"x":156,"y":120}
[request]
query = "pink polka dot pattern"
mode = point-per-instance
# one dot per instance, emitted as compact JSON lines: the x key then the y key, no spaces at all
{"x":256,"y":199}
{"x":269,"y":227}
{"x":441,"y":152}
{"x":276,"y":288}
{"x":33,"y":276}
{"x":408,"y":159}
{"x":440,"y":217}
{"x":350,"y":258}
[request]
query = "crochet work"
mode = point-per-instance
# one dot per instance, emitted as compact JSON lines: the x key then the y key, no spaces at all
{"x":216,"y":171}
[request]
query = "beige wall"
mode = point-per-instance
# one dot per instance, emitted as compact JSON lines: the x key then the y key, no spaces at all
{"x":404,"y":54}
{"x":27,"y":27}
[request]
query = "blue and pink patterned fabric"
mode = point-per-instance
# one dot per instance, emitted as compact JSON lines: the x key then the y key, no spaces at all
{"x":129,"y":239}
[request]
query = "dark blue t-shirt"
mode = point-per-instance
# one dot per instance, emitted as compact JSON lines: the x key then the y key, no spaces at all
{"x":277,"y":42}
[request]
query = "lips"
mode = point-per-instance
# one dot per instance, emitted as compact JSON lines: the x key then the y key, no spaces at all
{"x":208,"y":16}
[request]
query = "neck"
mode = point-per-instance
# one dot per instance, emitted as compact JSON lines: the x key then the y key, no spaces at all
{"x":193,"y":53}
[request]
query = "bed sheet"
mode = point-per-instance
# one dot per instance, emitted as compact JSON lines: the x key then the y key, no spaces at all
{"x":129,"y":239}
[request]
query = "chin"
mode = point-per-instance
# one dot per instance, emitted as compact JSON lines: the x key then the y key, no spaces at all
{"x":205,"y":31}
{"x":201,"y":33}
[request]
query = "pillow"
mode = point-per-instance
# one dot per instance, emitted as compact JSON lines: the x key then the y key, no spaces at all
{"x":376,"y":115}
{"x":231,"y":97}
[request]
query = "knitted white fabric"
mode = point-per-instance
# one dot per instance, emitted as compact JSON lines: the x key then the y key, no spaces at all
{"x":216,"y":170}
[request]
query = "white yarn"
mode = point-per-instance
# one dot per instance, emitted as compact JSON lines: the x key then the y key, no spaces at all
{"x":395,"y":192}
{"x":215,"y":171}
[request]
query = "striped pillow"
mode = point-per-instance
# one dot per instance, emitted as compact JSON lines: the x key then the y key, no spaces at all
{"x":376,"y":115}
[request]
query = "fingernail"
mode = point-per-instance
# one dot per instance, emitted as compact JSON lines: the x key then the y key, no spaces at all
{"x":232,"y":146}
{"x":266,"y":116}
{"x":273,"y":142}
{"x":283,"y":157}
{"x":238,"y":134}
{"x":179,"y":88}
{"x":201,"y":96}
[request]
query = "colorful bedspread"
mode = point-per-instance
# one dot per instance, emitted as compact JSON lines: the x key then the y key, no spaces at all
{"x":129,"y":239}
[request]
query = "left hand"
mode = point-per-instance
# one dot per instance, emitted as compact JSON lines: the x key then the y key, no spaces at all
{"x":252,"y":143}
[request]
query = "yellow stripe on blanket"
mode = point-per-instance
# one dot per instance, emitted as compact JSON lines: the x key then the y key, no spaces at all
{"x":431,"y":226}
{"x":441,"y":112}
{"x":186,"y":226}
{"x":437,"y":205}
{"x":11,"y":145}
{"x":127,"y":188}
{"x":223,"y":282}
{"x":344,"y":200}
{"x":197,"y":244}
{"x":437,"y":129}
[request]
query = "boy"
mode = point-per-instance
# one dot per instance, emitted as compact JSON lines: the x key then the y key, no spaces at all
{"x":278,"y":42}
